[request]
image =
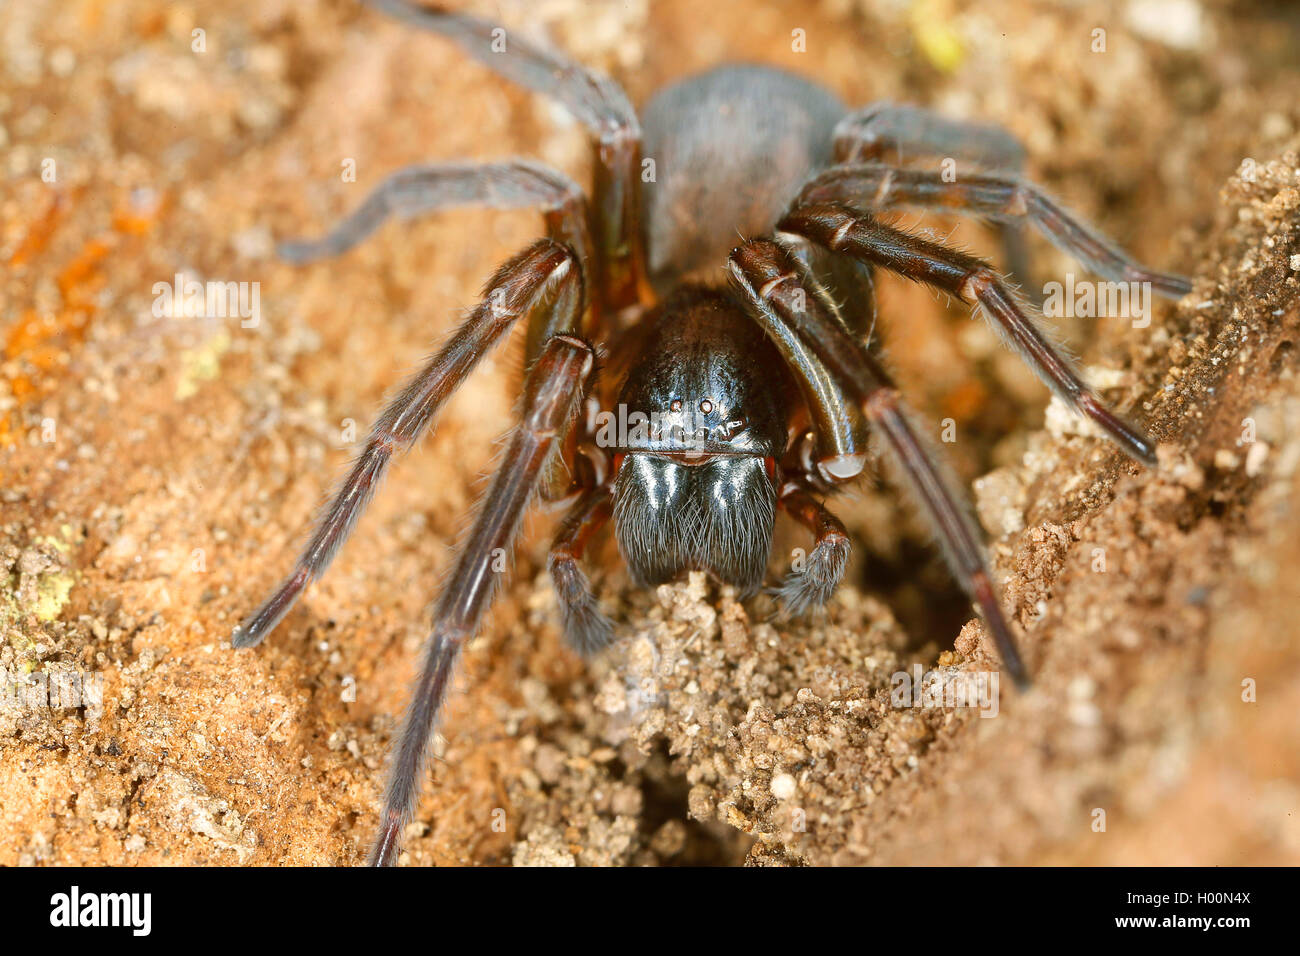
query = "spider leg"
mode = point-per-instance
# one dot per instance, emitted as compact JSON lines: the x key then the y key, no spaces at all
{"x":586,"y":629}
{"x":599,"y":104}
{"x":998,"y":197}
{"x":770,"y":281}
{"x":416,"y":190}
{"x":430,"y":187}
{"x":552,"y":393}
{"x":973,"y":281}
{"x":879,"y":129}
{"x":545,"y":282}
{"x":813,"y":585}
{"x":837,"y":424}
{"x":848,"y":285}
{"x":895,"y":133}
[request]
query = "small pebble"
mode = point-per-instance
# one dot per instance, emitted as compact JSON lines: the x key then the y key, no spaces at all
{"x":783,"y":786}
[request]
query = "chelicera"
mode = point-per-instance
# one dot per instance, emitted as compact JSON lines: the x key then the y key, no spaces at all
{"x":739,"y":381}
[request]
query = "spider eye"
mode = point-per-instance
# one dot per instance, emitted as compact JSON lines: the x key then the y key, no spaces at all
{"x":676,"y":405}
{"x":706,"y":406}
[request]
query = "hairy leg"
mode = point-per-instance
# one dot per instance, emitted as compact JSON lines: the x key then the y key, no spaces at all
{"x":1002,"y":198}
{"x":431,"y":187}
{"x":595,"y":101}
{"x":586,"y":629}
{"x":811,"y":585}
{"x":774,"y":286}
{"x":552,"y":394}
{"x":897,"y":133}
{"x":509,"y":184}
{"x":975,"y":282}
{"x":542,"y":281}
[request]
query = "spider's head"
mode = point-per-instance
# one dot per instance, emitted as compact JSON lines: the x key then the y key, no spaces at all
{"x":701,"y":425}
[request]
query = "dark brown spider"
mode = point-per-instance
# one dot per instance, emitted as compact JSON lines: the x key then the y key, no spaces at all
{"x":729,"y":401}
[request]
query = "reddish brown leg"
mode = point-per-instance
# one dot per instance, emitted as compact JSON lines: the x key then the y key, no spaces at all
{"x":1002,"y":198}
{"x":542,"y":281}
{"x":616,"y":220}
{"x":771,"y":281}
{"x":973,"y":281}
{"x":586,"y":629}
{"x":595,"y":101}
{"x":552,"y":395}
{"x":898,"y":133}
{"x":815,"y":577}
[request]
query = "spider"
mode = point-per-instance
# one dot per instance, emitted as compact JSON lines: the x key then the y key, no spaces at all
{"x":727,"y":400}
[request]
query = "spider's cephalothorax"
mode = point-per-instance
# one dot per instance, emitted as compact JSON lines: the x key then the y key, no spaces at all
{"x":727,"y":401}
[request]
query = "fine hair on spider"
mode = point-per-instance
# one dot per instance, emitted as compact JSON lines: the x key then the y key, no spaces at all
{"x":751,"y":358}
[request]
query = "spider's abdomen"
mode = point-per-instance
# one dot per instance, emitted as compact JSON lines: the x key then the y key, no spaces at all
{"x":731,"y":148}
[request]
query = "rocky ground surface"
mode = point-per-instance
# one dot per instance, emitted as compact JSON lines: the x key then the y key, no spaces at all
{"x":157,"y":471}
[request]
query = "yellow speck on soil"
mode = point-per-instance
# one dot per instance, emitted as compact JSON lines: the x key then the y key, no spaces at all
{"x":201,"y":364}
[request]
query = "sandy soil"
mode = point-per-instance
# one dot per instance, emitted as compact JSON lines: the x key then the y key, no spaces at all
{"x":156,"y":473}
